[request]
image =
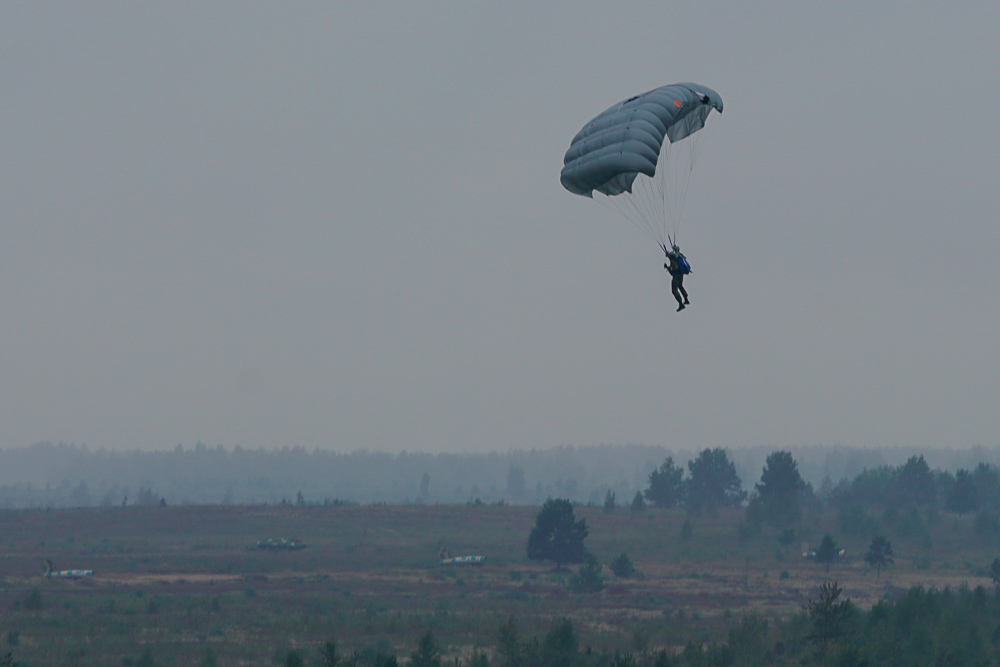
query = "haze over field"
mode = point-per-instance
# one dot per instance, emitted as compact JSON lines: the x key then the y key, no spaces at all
{"x":340,"y":226}
{"x":45,"y":475}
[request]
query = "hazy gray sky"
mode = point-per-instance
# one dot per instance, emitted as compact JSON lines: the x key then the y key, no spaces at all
{"x":340,"y":225}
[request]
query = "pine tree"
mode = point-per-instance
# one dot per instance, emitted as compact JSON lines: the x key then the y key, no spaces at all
{"x":428,"y":654}
{"x":638,"y":504}
{"x":827,"y":552}
{"x":780,"y":490}
{"x":588,"y":579}
{"x":879,"y":554}
{"x":557,"y":535}
{"x":666,"y":485}
{"x":829,"y":616}
{"x":713,"y":482}
{"x":609,"y":501}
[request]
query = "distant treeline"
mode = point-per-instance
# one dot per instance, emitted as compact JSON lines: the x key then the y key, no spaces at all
{"x":60,"y":475}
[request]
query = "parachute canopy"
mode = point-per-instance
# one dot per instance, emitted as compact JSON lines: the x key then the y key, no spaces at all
{"x":625,"y":141}
{"x":634,"y":138}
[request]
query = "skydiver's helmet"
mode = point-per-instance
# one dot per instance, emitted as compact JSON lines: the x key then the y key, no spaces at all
{"x":676,"y":248}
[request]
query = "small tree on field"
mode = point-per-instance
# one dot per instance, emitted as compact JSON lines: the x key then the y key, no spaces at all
{"x":557,"y":535}
{"x":625,"y":660}
{"x":330,"y":657}
{"x":588,"y":579}
{"x":828,"y":615}
{"x":428,"y":654}
{"x":638,"y":504}
{"x":560,"y":647}
{"x":609,"y":501}
{"x":879,"y":554}
{"x":479,"y":659}
{"x":622,"y":566}
{"x":509,"y":644}
{"x":827,"y":552}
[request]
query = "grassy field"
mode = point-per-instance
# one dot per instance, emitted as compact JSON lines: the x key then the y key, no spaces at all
{"x":186,"y":583}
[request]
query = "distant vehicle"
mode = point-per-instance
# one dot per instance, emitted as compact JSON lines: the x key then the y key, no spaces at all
{"x":812,"y":554}
{"x":65,"y":574}
{"x":281,"y":544}
{"x":447,"y":559}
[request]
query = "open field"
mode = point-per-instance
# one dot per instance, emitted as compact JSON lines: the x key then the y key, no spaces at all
{"x":186,"y":580}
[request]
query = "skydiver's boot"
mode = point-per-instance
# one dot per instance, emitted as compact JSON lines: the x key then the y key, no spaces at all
{"x":680,"y":307}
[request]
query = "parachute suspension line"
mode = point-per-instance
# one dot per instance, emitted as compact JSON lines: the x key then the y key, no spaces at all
{"x":641,"y":206}
{"x":675,"y":175}
{"x":627,"y":210}
{"x":663,"y":185}
{"x":655,"y":205}
{"x":648,"y":198}
{"x":633,"y":210}
{"x":690,"y":149}
{"x":637,"y":209}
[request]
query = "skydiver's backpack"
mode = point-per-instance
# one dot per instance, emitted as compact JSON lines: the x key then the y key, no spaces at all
{"x":682,"y":264}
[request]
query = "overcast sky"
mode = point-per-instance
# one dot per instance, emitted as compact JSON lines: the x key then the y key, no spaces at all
{"x":340,"y":226}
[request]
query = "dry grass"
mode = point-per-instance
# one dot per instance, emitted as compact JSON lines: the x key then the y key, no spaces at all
{"x":370,"y":574}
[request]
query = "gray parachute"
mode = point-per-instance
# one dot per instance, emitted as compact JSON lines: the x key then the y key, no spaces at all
{"x":626,"y":140}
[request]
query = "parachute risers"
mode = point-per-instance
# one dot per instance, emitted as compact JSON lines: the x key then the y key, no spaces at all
{"x":682,"y":261}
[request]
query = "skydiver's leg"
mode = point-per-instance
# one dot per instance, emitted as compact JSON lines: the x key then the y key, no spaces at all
{"x":680,"y":286}
{"x":677,"y":287}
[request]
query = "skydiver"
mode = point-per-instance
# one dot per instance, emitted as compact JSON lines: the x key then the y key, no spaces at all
{"x":678,"y":267}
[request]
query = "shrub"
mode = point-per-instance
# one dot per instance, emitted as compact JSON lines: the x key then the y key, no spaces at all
{"x":588,"y":579}
{"x":638,"y":504}
{"x":622,"y":566}
{"x":428,"y":653}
